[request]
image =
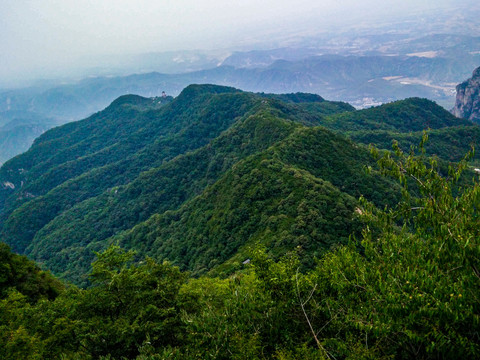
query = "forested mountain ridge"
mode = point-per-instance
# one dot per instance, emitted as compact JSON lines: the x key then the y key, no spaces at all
{"x":122,"y":129}
{"x":94,"y":154}
{"x":413,"y":114}
{"x":301,"y":192}
{"x":141,"y":158}
{"x":363,"y":79}
{"x":274,"y":204}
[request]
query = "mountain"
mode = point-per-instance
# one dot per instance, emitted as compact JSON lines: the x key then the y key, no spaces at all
{"x":467,"y":103}
{"x":197,"y":115}
{"x":263,"y":58}
{"x":450,"y":144}
{"x":18,"y":129}
{"x":250,"y":225}
{"x":338,"y":77}
{"x":15,"y":139}
{"x":300,"y":192}
{"x":184,"y":179}
{"x":408,"y":115}
{"x":405,"y":121}
{"x":364,"y":70}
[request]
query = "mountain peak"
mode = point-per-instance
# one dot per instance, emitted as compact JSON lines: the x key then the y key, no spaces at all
{"x":130,"y":99}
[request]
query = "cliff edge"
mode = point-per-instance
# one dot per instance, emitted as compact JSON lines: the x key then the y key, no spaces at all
{"x":467,"y":103}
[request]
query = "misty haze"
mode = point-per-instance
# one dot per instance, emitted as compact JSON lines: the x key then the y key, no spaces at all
{"x":239,"y":179}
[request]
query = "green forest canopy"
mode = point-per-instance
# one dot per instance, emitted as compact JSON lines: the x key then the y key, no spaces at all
{"x":406,"y":289}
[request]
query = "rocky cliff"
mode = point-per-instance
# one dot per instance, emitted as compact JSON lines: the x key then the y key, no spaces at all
{"x":467,"y":104}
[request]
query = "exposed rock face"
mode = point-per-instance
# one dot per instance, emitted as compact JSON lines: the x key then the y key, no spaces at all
{"x":467,"y":104}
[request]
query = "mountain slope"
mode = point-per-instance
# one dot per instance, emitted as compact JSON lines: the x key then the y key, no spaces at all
{"x":361,"y":80}
{"x":157,"y":190}
{"x":450,"y":144}
{"x":301,"y":192}
{"x":407,"y":115}
{"x":153,"y":176}
{"x":112,"y":147}
{"x":67,"y":241}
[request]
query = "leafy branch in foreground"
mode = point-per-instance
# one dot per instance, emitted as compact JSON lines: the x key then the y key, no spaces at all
{"x":413,"y":290}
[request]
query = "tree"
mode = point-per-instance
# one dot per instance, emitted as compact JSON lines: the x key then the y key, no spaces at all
{"x":412,"y":290}
{"x":128,"y":305}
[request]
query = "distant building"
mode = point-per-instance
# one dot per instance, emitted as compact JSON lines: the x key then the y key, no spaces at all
{"x":164,"y":95}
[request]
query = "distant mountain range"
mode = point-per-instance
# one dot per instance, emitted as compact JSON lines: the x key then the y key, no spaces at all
{"x":362,"y":69}
{"x":17,"y":135}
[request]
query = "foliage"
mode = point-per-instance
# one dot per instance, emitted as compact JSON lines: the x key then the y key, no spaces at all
{"x":235,"y":177}
{"x":403,"y":292}
{"x":136,"y":159}
{"x":412,"y":114}
{"x":110,"y":148}
{"x":22,"y":275}
{"x":449,"y":143}
{"x":160,"y":189}
{"x":410,"y":293}
{"x":261,"y":200}
{"x":69,"y":205}
{"x":127,"y":306}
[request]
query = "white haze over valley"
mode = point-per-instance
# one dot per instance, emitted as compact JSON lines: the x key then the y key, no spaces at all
{"x":43,"y":39}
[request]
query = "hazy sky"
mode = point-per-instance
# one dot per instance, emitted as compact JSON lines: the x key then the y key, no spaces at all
{"x":41,"y":35}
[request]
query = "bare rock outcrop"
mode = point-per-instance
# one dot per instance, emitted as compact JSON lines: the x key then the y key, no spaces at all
{"x":467,"y":104}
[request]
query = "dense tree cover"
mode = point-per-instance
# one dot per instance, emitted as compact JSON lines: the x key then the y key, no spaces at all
{"x":107,"y":154}
{"x":155,"y":191}
{"x":126,"y":307}
{"x":412,"y":114}
{"x":406,"y":289}
{"x":17,"y":273}
{"x":449,"y":143}
{"x":131,"y":136}
{"x":312,"y":102}
{"x":145,"y":167}
{"x":260,"y":201}
{"x":81,"y":160}
{"x":277,"y":198}
{"x":287,"y":170}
